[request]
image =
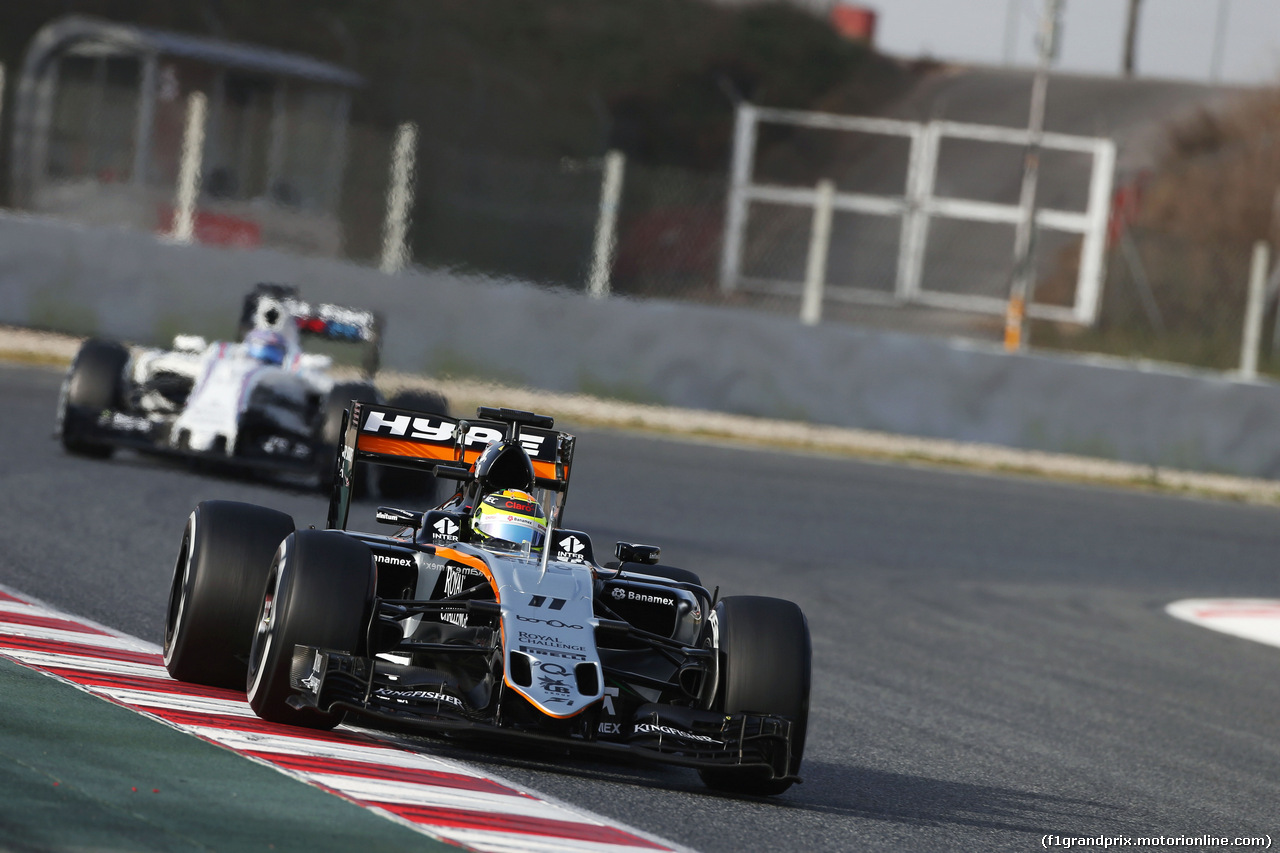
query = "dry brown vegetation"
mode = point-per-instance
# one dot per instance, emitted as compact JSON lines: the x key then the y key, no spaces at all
{"x":1177,"y":279}
{"x":1217,"y":180}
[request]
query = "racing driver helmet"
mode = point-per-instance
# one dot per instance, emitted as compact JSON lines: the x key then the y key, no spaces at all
{"x":507,"y":519}
{"x":266,"y":346}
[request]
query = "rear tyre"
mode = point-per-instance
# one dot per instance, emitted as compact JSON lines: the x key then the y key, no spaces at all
{"x":765,"y":661}
{"x":403,"y":485}
{"x":318,"y":593}
{"x":217,"y":587}
{"x":94,"y":383}
{"x":329,"y":432}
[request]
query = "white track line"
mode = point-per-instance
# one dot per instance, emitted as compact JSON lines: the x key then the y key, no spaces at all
{"x":1256,"y":619}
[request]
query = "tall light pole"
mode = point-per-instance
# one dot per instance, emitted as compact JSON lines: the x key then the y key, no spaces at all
{"x":1010,"y":31}
{"x":1131,"y":38}
{"x":1023,"y":272}
{"x":189,"y":169}
{"x":395,"y":227}
{"x":1219,"y":35}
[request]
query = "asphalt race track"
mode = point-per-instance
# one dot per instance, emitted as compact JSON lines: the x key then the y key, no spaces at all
{"x":992,"y":658}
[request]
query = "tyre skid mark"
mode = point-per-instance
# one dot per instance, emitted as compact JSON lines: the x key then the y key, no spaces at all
{"x":440,"y":798}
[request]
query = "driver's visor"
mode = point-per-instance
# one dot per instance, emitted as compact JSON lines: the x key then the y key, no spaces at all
{"x":516,"y":532}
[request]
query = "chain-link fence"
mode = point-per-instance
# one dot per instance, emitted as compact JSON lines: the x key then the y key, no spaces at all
{"x":670,"y":234}
{"x":1164,"y":295}
{"x":1167,"y":298}
{"x":535,"y":220}
{"x":505,"y":216}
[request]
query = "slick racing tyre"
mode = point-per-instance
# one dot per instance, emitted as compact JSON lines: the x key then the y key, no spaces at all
{"x":319,"y":593}
{"x":329,"y":432}
{"x":765,"y":662}
{"x":94,"y":383}
{"x":400,"y":484}
{"x":217,"y":587}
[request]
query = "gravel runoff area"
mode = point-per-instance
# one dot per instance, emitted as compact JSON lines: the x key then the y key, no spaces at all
{"x":36,"y":347}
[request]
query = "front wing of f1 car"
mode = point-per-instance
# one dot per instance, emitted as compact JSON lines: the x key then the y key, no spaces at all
{"x":568,"y":675}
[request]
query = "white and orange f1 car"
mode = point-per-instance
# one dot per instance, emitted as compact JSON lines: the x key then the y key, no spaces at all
{"x":486,"y":616}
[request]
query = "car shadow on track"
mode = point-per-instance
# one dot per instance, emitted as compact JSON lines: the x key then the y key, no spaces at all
{"x":840,"y":790}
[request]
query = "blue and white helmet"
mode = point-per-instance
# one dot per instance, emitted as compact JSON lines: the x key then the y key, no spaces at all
{"x":266,"y":346}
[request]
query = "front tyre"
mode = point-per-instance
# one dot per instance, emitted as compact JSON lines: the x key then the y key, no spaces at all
{"x":94,"y":383}
{"x":217,"y":586}
{"x":764,"y":668}
{"x":318,"y":593}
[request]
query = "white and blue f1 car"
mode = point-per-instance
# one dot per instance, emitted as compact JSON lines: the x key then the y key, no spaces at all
{"x":260,"y":402}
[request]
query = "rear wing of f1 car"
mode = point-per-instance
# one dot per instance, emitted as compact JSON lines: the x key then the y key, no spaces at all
{"x":320,"y":320}
{"x":385,"y":435}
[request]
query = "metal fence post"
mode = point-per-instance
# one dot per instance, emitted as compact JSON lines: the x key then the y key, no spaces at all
{"x":1022,"y":285}
{"x":819,"y":244}
{"x":395,"y":229}
{"x":744,"y":144}
{"x":922,"y":172}
{"x":1094,"y":248}
{"x":606,"y":225}
{"x":1253,"y":312}
{"x":184,"y":206}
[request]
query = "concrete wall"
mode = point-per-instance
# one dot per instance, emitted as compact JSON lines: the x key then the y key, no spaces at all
{"x":132,"y":286}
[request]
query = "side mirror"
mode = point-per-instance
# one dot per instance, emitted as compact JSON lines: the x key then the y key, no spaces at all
{"x":453,"y":472}
{"x":398,"y":517}
{"x":644,"y":554}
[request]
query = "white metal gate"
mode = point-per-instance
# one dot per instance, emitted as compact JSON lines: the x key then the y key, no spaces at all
{"x":919,"y":205}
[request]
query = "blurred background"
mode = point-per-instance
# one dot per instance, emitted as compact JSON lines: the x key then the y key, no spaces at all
{"x":515,"y":108}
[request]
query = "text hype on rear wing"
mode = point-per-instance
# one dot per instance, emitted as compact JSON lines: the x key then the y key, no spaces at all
{"x":402,"y":438}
